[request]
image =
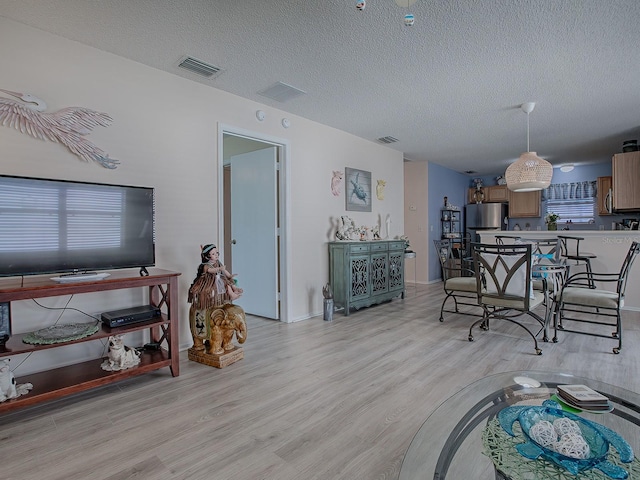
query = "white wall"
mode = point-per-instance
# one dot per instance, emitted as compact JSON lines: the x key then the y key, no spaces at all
{"x":416,"y":212}
{"x":165,"y":135}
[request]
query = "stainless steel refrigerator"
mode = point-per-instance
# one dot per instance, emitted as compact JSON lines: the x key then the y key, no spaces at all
{"x":484,"y":217}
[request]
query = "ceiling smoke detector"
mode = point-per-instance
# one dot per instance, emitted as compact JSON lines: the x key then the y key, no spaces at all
{"x":199,"y":67}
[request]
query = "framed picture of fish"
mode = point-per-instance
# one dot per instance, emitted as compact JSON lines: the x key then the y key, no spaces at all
{"x":357,"y":190}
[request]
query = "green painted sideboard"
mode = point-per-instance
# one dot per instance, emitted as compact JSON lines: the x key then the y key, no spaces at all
{"x":366,"y":273}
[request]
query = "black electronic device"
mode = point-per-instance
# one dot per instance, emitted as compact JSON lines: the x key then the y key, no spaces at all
{"x":127,"y":316}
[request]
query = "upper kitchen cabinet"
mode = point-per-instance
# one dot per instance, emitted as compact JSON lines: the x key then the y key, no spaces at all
{"x":524,"y":204}
{"x":497,"y":193}
{"x":604,"y":196}
{"x":492,"y":194}
{"x":626,"y":181}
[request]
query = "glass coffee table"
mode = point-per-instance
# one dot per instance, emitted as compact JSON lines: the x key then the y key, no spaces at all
{"x":461,"y":439}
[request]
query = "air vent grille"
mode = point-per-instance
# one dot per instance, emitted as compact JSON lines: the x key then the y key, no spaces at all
{"x":281,"y":92}
{"x":198,"y":66}
{"x":388,"y":139}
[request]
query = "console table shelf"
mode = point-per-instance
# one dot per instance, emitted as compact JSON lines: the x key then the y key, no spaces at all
{"x":15,"y":345}
{"x":59,"y":382}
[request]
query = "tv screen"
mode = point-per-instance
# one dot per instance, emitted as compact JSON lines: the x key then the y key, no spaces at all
{"x":58,"y":226}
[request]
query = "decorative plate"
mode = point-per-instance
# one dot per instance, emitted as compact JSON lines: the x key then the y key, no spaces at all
{"x":597,"y":438}
{"x":61,"y":333}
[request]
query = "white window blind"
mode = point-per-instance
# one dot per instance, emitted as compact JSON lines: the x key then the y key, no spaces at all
{"x":577,"y":210}
{"x":82,"y":219}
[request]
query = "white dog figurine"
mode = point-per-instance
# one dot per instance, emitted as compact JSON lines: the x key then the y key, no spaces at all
{"x":8,"y":387}
{"x":119,"y":356}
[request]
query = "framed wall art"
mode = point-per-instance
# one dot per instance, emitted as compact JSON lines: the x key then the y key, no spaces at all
{"x":357,"y":190}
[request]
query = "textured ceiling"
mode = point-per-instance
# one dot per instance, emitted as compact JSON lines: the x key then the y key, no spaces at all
{"x":449,"y":88}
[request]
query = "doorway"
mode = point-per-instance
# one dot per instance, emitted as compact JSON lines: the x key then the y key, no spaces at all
{"x":257,"y":239}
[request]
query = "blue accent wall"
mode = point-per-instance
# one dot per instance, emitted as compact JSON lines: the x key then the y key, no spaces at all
{"x":443,"y":182}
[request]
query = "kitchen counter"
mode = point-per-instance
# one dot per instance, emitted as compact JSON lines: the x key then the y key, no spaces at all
{"x":610,"y":246}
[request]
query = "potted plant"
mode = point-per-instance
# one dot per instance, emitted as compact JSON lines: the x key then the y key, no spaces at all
{"x":551,"y":219}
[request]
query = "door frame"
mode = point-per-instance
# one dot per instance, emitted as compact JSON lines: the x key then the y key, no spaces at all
{"x":284,"y":202}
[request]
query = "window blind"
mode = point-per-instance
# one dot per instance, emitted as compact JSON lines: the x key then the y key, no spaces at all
{"x":576,"y":210}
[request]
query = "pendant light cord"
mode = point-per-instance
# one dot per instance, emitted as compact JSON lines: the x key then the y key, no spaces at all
{"x":528,"y":149}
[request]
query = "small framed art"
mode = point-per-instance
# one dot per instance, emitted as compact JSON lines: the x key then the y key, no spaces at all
{"x":357,"y":190}
{"x":5,"y":322}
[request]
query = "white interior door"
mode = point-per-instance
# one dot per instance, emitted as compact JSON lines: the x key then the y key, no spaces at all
{"x":254,"y":230}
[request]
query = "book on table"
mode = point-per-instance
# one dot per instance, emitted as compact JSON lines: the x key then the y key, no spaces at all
{"x":583,"y":396}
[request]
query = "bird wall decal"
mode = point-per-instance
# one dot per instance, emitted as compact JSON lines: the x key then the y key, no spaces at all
{"x":67,"y":125}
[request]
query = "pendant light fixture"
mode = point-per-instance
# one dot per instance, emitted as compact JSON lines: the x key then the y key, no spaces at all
{"x":529,"y":172}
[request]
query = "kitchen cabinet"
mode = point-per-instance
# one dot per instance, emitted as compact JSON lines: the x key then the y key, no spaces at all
{"x":492,"y":194}
{"x":604,"y":195}
{"x":524,"y":204}
{"x":471,"y":197}
{"x":497,"y":193}
{"x":626,"y":180}
{"x":365,"y":273}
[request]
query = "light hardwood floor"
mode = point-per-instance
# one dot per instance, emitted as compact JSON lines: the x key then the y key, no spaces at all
{"x":313,"y":400}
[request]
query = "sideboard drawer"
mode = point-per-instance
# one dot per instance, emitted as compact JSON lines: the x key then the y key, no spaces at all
{"x":359,"y":248}
{"x":379,"y":247}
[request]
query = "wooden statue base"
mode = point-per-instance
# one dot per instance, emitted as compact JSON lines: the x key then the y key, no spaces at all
{"x":218,"y":361}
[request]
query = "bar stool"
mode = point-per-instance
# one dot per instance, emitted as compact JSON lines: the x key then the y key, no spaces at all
{"x":570,"y":249}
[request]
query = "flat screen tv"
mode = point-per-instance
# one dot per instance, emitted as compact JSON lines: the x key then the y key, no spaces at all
{"x":57,"y":226}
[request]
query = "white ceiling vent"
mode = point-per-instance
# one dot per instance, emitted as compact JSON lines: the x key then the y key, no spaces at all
{"x":388,"y":139}
{"x":198,"y":66}
{"x":281,"y":92}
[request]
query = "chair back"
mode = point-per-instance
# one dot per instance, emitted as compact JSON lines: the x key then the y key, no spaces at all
{"x":626,"y":267}
{"x":506,"y":239}
{"x":448,"y":263}
{"x":544,"y":247}
{"x":503,"y":273}
{"x":569,"y":246}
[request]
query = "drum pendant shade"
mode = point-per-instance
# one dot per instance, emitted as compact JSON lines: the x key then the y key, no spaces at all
{"x":529,"y":172}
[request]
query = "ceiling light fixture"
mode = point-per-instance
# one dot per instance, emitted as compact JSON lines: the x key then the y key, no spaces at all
{"x":566,"y":168}
{"x":529,"y":172}
{"x":409,"y":18}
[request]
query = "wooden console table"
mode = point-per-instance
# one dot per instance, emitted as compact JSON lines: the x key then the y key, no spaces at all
{"x":59,"y":382}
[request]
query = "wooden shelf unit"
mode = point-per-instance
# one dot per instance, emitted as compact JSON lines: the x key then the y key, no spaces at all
{"x":59,"y":382}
